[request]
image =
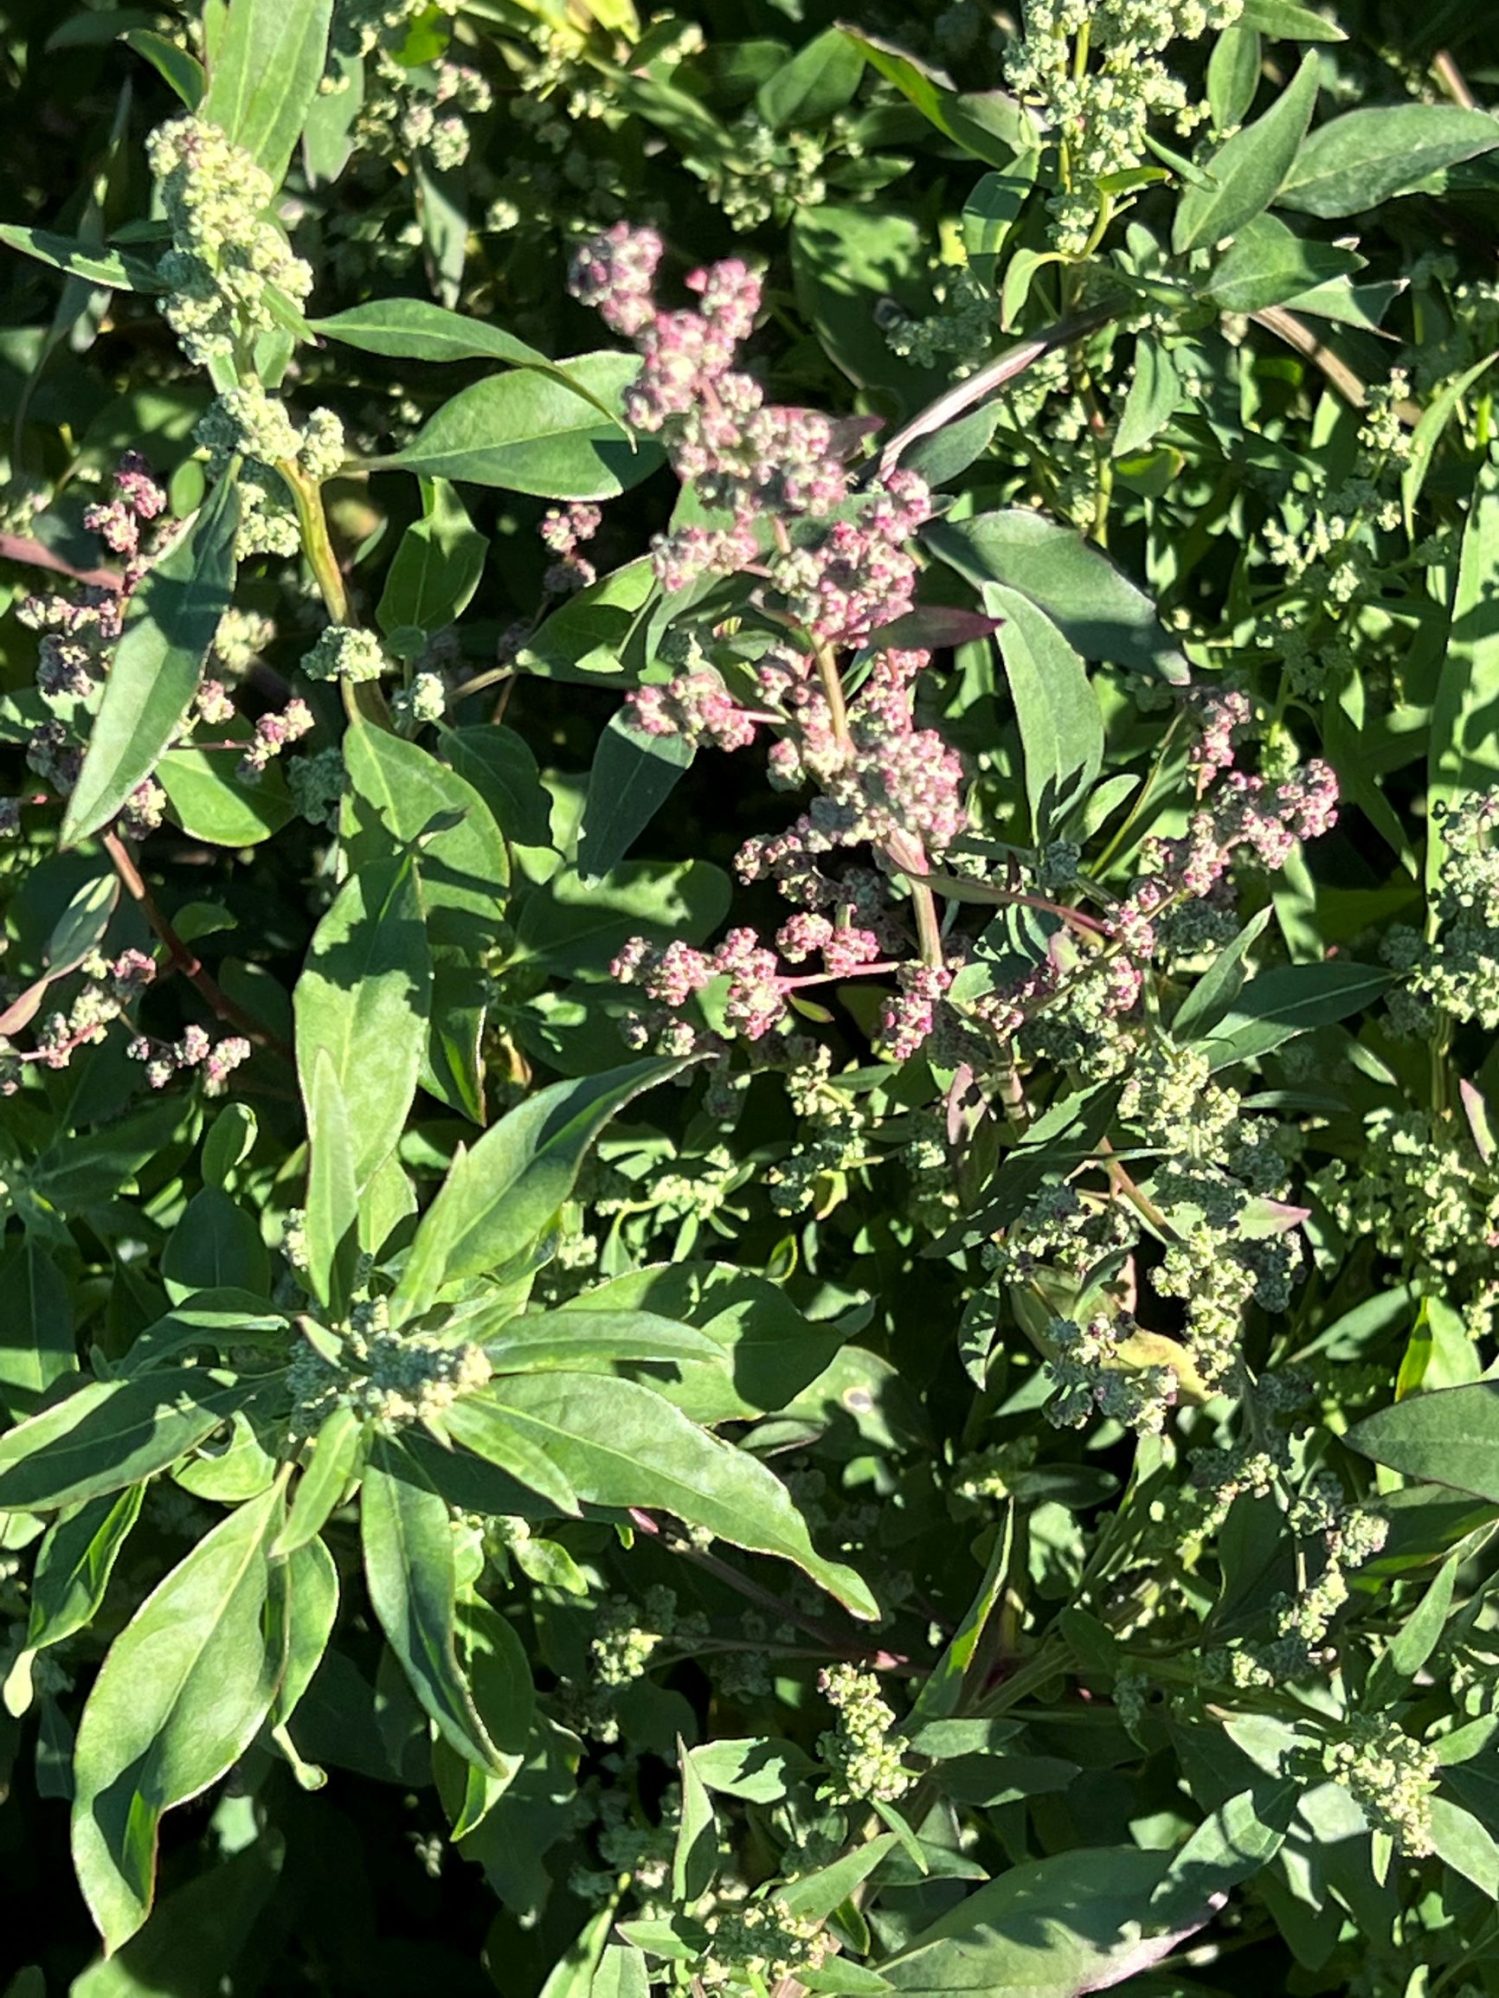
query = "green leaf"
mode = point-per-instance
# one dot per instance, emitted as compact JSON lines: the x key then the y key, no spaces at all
{"x":1046,"y":1928}
{"x":179,"y":70}
{"x":1285,"y":20}
{"x":336,"y":1453}
{"x":991,"y":126}
{"x":264,"y":74}
{"x":499,"y":1198}
{"x":759,"y":1770}
{"x":1463,"y":751}
{"x":620,"y":1444}
{"x":1099,"y":611}
{"x":1233,"y":74}
{"x":585,"y":638}
{"x":992,"y":210}
{"x":1232,"y":1844}
{"x":332,"y":1213}
{"x":169,"y":627}
{"x":108,"y":1434}
{"x":502,"y":768}
{"x":1289,"y":1000}
{"x":415,"y":329}
{"x":115,"y":268}
{"x":36,"y":1338}
{"x":622,"y":1973}
{"x":1428,"y":434}
{"x":1447,"y":1437}
{"x":398,"y":791}
{"x":494,"y":1664}
{"x":1413,"y":1641}
{"x":210,"y":801}
{"x":1154,"y":396}
{"x":75,"y":1562}
{"x":1220,"y":985}
{"x":363,"y":999}
{"x":183,"y":1692}
{"x":586,"y":1341}
{"x":488,"y":1432}
{"x":695,"y":1856}
{"x":437,"y":566}
{"x":632,"y":776}
{"x":196,"y":1934}
{"x":1247,"y":171}
{"x":1270,"y":264}
{"x":409,"y":1566}
{"x":1365,"y":158}
{"x":217,"y":1245}
{"x":530,"y":433}
{"x":846,"y":263}
{"x":819,"y":79}
{"x":1061,"y":728}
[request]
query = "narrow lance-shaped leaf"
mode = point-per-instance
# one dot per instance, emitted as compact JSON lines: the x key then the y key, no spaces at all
{"x":108,"y":1434}
{"x":182,"y":1694}
{"x":264,"y":74}
{"x":332,"y":1225}
{"x":1367,"y":157}
{"x":501,"y":1196}
{"x":363,"y":999}
{"x":114,"y":268}
{"x":1247,"y":170}
{"x":620,"y":1444}
{"x":157,"y":665}
{"x":408,"y":1564}
{"x":530,"y":433}
{"x":633,"y":775}
{"x":1447,"y":1437}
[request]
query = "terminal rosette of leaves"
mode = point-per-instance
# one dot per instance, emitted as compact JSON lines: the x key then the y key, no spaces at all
{"x":748,"y":834}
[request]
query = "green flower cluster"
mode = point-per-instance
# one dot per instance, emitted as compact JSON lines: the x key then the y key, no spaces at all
{"x":1099,"y":115}
{"x":227,"y":256}
{"x":344,"y":652}
{"x":1391,"y":1776}
{"x":389,"y":1378}
{"x":863,"y":1758}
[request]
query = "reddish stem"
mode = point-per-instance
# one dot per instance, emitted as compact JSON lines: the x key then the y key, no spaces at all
{"x":32,"y":555}
{"x":184,"y":959}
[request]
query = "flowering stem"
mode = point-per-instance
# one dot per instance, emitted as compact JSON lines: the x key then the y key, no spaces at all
{"x":832,"y":690}
{"x":959,"y":889}
{"x":364,"y":697}
{"x":183,"y":959}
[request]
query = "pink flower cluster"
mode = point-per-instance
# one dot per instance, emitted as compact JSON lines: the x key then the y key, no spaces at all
{"x":272,"y":734}
{"x":564,"y":530}
{"x":137,"y":499}
{"x":216,"y":1059}
{"x":764,"y":464}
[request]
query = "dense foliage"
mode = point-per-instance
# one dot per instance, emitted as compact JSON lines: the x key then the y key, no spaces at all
{"x":747,"y":1107}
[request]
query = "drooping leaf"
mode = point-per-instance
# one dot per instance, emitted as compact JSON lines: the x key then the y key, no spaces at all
{"x":115,"y":268}
{"x":157,"y":664}
{"x":408,"y":1565}
{"x":1061,"y":728}
{"x":620,"y":1444}
{"x":363,"y":998}
{"x":183,"y":1692}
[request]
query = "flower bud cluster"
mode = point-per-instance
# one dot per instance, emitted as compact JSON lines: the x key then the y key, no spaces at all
{"x":216,"y":1061}
{"x":764,"y":1940}
{"x":1100,"y":114}
{"x":862,"y":1756}
{"x":226,"y":250}
{"x":385,"y":1377}
{"x":564,"y":530}
{"x":1391,"y":1776}
{"x":248,"y":422}
{"x":345,"y":652}
{"x":109,"y":987}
